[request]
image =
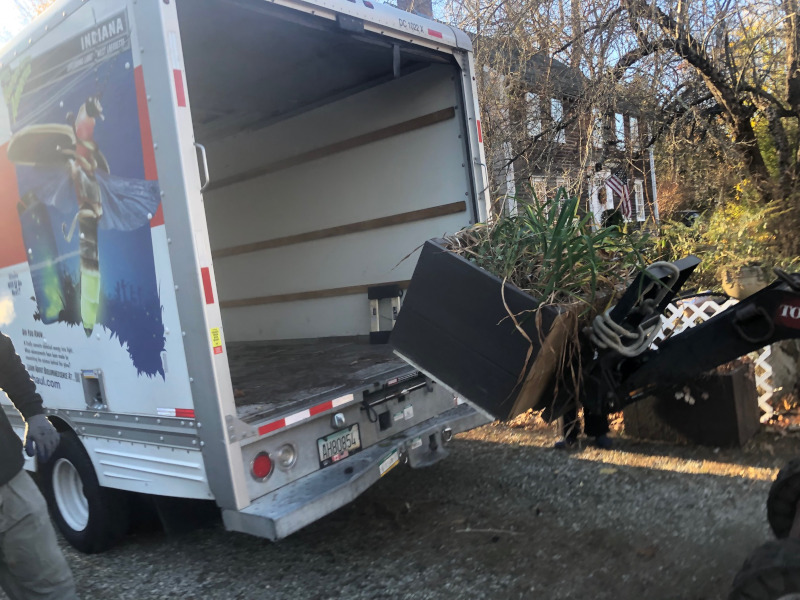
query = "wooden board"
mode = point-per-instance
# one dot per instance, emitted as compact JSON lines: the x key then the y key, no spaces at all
{"x":321,"y":234}
{"x":271,"y":377}
{"x":312,"y":295}
{"x":342,"y":146}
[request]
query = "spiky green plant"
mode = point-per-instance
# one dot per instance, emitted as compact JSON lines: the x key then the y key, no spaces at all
{"x":553,"y":252}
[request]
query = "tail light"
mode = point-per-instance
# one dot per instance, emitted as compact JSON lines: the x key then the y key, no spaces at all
{"x":261,"y":467}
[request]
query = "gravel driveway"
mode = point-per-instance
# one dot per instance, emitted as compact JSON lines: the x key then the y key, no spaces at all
{"x":505,"y":516}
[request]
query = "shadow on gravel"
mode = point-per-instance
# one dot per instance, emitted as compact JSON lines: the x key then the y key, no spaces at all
{"x":504,"y":516}
{"x":770,"y":448}
{"x":767,"y":450}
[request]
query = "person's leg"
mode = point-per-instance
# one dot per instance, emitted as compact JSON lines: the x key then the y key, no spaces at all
{"x":33,"y":565}
{"x":570,"y":427}
{"x":596,"y":426}
{"x":6,"y":581}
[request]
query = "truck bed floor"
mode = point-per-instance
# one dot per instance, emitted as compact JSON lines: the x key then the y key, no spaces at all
{"x":271,"y":378}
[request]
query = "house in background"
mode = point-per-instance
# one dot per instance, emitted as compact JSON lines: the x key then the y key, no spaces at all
{"x":620,"y":156}
{"x":542,"y":135}
{"x":554,"y":138}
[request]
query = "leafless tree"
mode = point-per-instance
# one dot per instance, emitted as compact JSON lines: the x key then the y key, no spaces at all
{"x":742,"y":60}
{"x":717,"y":83}
{"x":548,"y":77}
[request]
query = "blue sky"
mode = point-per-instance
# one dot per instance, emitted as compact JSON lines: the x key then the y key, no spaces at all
{"x":14,"y":15}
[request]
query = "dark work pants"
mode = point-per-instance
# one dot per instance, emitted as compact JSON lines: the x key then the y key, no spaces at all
{"x":593,"y":425}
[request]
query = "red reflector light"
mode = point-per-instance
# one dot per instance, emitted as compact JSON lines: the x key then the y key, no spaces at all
{"x":368,"y":4}
{"x":262,"y":466}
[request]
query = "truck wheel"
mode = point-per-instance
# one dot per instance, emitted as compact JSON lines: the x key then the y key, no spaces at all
{"x":772,"y":572}
{"x":91,"y":518}
{"x":783,"y":499}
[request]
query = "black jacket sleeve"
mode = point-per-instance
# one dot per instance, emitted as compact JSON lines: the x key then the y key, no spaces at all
{"x":16,"y":382}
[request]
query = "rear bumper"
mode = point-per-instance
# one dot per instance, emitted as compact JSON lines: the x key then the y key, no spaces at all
{"x":302,"y":502}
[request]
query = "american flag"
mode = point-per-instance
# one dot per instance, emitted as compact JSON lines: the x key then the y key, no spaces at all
{"x":618,"y":182}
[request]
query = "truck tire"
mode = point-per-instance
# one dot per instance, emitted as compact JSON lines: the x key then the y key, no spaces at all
{"x":90,"y":517}
{"x":772,"y":572}
{"x":783,"y":498}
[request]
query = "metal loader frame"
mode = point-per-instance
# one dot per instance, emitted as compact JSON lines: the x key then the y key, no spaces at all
{"x":613,"y":380}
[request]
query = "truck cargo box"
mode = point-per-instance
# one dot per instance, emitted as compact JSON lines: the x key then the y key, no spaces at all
{"x":198,"y":200}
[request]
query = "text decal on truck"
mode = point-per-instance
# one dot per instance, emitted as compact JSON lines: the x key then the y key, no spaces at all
{"x":411,"y":26}
{"x":102,"y":33}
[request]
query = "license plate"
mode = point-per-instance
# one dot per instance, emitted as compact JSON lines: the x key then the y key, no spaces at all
{"x":339,"y":445}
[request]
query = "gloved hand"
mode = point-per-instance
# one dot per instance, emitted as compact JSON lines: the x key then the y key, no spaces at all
{"x":40,"y":432}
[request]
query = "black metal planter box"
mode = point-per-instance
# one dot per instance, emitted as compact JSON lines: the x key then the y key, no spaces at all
{"x":455,"y":327}
{"x":724,"y":411}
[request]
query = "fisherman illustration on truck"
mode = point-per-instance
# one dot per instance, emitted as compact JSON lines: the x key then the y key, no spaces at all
{"x":69,"y":162}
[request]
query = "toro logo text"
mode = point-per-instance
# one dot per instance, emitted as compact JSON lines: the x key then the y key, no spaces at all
{"x":788,"y":314}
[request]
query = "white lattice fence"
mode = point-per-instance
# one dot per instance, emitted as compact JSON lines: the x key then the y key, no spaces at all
{"x":683,"y":315}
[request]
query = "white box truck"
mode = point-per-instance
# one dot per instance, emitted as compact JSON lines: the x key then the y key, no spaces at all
{"x":205,"y":207}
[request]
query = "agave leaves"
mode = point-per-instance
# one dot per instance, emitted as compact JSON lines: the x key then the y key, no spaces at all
{"x":552,"y":251}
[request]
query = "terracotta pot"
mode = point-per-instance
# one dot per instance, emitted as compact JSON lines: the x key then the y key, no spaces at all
{"x":742,"y":282}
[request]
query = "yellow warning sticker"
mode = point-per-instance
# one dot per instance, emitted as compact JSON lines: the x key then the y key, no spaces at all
{"x":389,"y":463}
{"x":216,"y":340}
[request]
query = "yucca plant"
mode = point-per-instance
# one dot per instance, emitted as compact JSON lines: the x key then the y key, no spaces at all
{"x":552,"y":251}
{"x":555,"y":253}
